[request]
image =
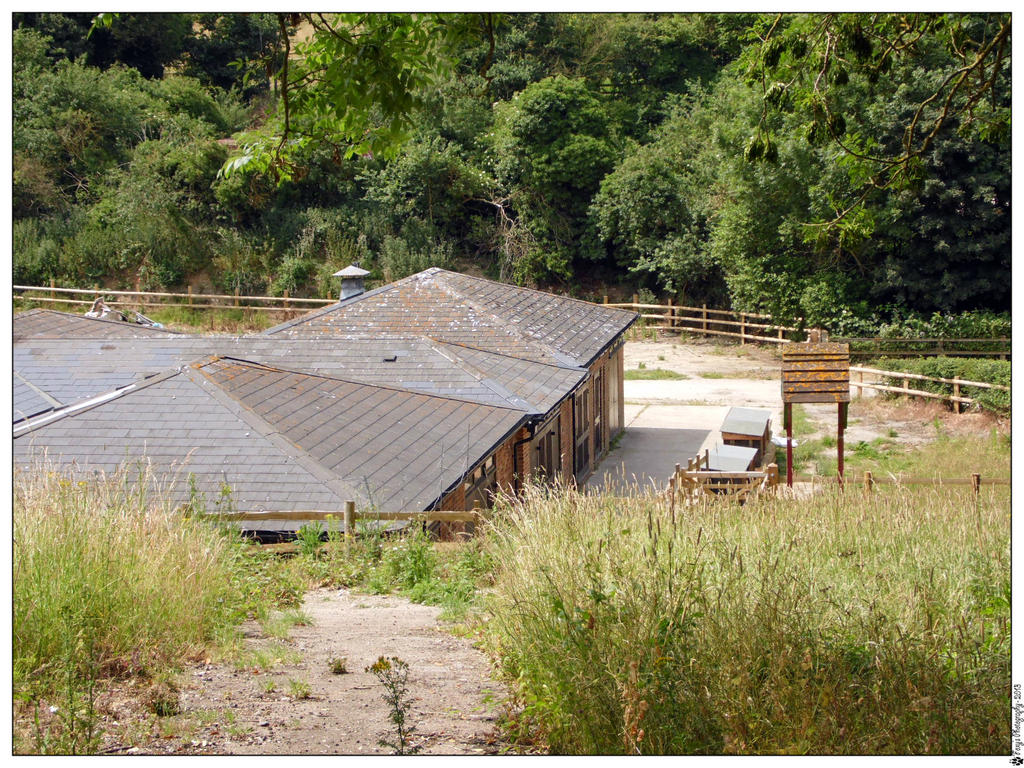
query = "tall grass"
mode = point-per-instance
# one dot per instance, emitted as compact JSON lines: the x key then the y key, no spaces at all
{"x":107,"y":580}
{"x":837,"y":625}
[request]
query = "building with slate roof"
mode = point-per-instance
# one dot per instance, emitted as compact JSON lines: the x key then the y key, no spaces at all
{"x":487,"y":316}
{"x":429,"y":393}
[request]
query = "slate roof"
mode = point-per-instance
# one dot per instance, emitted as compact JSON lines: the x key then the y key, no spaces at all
{"x":49,"y":323}
{"x":69,"y":370}
{"x":173,"y":423}
{"x":403,"y":449}
{"x":472,"y":311}
{"x":280,"y":439}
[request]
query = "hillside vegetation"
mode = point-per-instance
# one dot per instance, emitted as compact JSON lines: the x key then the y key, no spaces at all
{"x":761,"y":162}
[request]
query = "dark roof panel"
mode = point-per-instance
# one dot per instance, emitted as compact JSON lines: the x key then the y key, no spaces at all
{"x":484,"y":314}
{"x":365,"y":433}
{"x":181,"y":431}
{"x":49,"y":323}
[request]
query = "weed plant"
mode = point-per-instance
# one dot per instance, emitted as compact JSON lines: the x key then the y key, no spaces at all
{"x":393,"y":674}
{"x":840,"y":624}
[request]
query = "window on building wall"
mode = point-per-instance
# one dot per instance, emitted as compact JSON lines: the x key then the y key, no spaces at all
{"x":582,"y":426}
{"x":481,"y":485}
{"x":614,"y":393}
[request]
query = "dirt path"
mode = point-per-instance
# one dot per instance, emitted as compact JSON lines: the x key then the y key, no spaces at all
{"x":300,"y":707}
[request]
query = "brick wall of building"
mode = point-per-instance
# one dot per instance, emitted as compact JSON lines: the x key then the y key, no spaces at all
{"x":503,"y":464}
{"x":454,"y":501}
{"x":565,"y":417}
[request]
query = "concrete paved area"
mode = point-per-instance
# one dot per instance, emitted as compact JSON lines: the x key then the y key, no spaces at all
{"x":657,"y":437}
{"x":670,"y":421}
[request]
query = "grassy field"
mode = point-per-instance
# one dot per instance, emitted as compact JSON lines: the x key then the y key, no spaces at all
{"x":836,"y":625}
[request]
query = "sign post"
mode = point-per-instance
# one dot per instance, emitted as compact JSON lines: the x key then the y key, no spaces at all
{"x":815,"y":372}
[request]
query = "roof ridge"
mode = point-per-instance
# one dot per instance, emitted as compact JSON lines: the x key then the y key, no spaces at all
{"x":561,"y":365}
{"x":122,"y":323}
{"x":272,"y":433}
{"x":41,"y":392}
{"x":503,"y":323}
{"x":489,"y":382}
{"x":392,"y":387}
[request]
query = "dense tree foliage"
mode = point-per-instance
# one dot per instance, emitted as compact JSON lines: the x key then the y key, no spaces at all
{"x":847,"y":169}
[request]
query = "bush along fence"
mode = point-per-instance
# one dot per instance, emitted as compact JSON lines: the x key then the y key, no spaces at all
{"x":956,"y":391}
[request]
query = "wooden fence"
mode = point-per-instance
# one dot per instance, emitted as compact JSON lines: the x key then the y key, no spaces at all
{"x":955,"y":397}
{"x":745,"y":326}
{"x":141,"y":300}
{"x":869,"y":480}
{"x":348,"y":518}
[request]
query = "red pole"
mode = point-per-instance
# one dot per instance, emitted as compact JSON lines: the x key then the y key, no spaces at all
{"x":788,"y":418}
{"x":839,"y":441}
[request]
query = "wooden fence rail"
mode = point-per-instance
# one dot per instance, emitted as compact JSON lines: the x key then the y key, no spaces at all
{"x":143,"y":299}
{"x":702,"y":320}
{"x":869,"y":480}
{"x":955,"y":398}
{"x":711,"y":322}
{"x":877,"y":346}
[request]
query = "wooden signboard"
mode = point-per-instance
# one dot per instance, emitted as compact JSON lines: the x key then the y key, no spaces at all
{"x":816,"y":373}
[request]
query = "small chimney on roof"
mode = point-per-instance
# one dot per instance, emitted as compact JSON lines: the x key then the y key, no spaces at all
{"x":351,"y":281}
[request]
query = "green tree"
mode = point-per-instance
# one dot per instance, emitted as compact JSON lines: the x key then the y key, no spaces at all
{"x":551,"y":148}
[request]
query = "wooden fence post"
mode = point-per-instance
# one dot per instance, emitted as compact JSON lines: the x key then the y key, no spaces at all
{"x":704,"y":318}
{"x":236,"y":295}
{"x":53,"y":285}
{"x":636,"y":300}
{"x":604,"y":299}
{"x":190,"y":295}
{"x":286,"y":298}
{"x":350,"y":520}
{"x":743,"y":329}
{"x":956,"y":393}
{"x":773,"y":474}
{"x":869,"y":482}
{"x":976,"y":483}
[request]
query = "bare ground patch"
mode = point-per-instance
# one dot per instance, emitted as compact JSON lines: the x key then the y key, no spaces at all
{"x":287,"y":699}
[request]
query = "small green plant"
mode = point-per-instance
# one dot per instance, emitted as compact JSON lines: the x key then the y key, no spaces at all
{"x":162,"y":699}
{"x":641,"y":366}
{"x":268,"y":685}
{"x":712,"y":375}
{"x":299,"y":689}
{"x":280,"y":625}
{"x":338,"y":665}
{"x":393,"y":674}
{"x":309,"y":538}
